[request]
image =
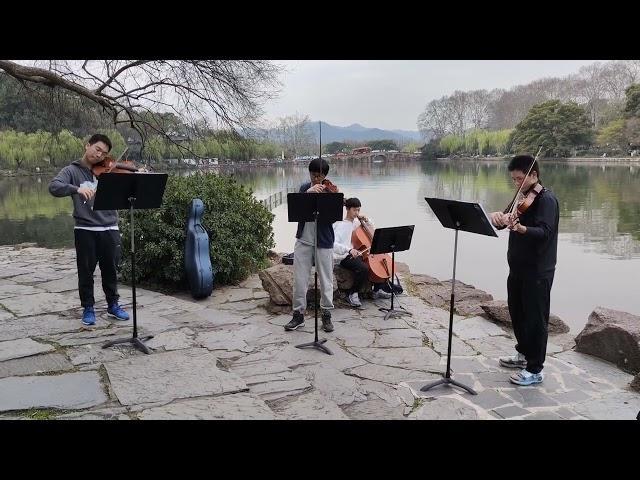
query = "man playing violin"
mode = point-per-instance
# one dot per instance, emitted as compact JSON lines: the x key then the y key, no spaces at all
{"x":351,"y":258}
{"x":97,"y":238}
{"x":531,"y":254}
{"x":304,"y":250}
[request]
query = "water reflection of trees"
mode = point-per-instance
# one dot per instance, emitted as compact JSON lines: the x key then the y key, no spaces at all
{"x":599,"y":204}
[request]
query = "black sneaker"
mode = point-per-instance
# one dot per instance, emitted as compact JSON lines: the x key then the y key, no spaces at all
{"x":296,"y":321}
{"x":327,"y":326}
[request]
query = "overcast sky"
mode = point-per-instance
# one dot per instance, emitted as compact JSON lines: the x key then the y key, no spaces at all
{"x":390,"y":94}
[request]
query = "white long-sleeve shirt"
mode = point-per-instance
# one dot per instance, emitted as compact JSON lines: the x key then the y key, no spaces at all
{"x":342,"y":243}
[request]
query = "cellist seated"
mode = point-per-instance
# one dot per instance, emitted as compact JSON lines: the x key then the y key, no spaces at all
{"x":350,"y":258}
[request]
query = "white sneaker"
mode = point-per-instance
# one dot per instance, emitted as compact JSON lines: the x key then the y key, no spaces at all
{"x":381,"y":294}
{"x":516,"y":361}
{"x":525,"y":378}
{"x":354,"y":300}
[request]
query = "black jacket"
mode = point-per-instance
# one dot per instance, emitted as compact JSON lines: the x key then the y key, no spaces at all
{"x":534,"y":253}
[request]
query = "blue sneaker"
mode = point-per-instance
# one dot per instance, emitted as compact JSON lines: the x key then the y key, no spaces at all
{"x":88,"y":316}
{"x":525,"y":377}
{"x":116,"y":312}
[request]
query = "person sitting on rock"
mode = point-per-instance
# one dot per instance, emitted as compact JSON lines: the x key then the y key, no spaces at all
{"x":350,"y":258}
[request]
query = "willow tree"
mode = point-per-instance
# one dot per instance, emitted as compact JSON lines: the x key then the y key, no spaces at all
{"x":146,"y":95}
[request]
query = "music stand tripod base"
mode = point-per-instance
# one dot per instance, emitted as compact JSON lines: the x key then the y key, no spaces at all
{"x":135,"y":341}
{"x":316,"y":344}
{"x":392,"y":312}
{"x":447,"y":381}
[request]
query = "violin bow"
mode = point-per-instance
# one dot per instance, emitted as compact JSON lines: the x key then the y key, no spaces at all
{"x":512,"y":205}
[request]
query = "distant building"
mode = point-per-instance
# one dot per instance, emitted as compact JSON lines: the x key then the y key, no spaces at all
{"x":361,"y":150}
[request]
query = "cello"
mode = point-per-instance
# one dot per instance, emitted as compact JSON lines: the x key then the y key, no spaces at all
{"x":379,"y":264}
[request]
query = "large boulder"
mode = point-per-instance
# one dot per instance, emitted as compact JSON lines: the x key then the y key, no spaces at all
{"x":613,"y":336}
{"x":635,"y":384}
{"x":437,"y":293}
{"x":498,"y":310}
{"x":278,"y":283}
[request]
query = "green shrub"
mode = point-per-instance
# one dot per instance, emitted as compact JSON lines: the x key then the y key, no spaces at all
{"x":239,"y":228}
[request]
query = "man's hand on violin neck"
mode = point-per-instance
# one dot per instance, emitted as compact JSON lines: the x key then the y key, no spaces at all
{"x":318,"y":188}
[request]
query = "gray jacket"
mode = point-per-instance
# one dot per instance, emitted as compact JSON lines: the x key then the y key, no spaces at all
{"x":67,"y":183}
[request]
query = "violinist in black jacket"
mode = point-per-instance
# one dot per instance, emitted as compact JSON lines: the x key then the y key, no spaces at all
{"x":532,"y":251}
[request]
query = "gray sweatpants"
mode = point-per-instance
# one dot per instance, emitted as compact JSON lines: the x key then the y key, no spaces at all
{"x":302,"y":262}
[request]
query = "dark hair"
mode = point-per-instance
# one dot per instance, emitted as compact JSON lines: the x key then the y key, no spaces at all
{"x":522,"y":163}
{"x":319,"y":165}
{"x":98,"y":137}
{"x":352,"y":203}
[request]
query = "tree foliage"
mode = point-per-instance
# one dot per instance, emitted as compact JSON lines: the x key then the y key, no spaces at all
{"x":239,"y":228}
{"x":561,"y":127}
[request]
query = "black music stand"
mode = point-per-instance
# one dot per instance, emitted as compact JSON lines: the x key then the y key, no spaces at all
{"x":120,"y":191}
{"x":468,"y":217}
{"x":314,"y":207}
{"x":392,"y":239}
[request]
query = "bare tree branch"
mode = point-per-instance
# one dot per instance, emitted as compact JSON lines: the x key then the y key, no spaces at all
{"x":229,"y":93}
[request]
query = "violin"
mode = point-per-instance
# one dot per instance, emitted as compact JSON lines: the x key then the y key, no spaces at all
{"x":520,"y":203}
{"x":329,"y":187}
{"x":110,"y":165}
{"x":379,"y":264}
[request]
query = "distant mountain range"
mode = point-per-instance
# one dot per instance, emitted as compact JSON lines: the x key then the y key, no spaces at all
{"x":358,"y":133}
{"x":355,"y":132}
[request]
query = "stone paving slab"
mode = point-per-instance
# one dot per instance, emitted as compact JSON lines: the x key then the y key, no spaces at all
{"x":439,"y":341}
{"x":406,"y":337}
{"x":476,"y":327}
{"x":22,"y":347}
{"x":412,"y":358}
{"x":373,"y":409}
{"x":308,"y":406}
{"x":623,"y":405}
{"x":333,"y":384}
{"x":116,"y":413}
{"x":169,"y":376}
{"x":47,"y":363}
{"x":173,"y":340}
{"x":64,"y":284}
{"x":13,"y":271}
{"x":377,"y":369}
{"x":531,"y":397}
{"x":391,"y":375}
{"x":489,"y":399}
{"x":66,"y":391}
{"x":95,"y":354}
{"x":17,"y":290}
{"x":444,"y":408}
{"x":89,"y":335}
{"x":271,"y":387}
{"x":353,"y":335}
{"x":39,"y":304}
{"x":596,"y":367}
{"x":511,"y":412}
{"x":237,"y":406}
